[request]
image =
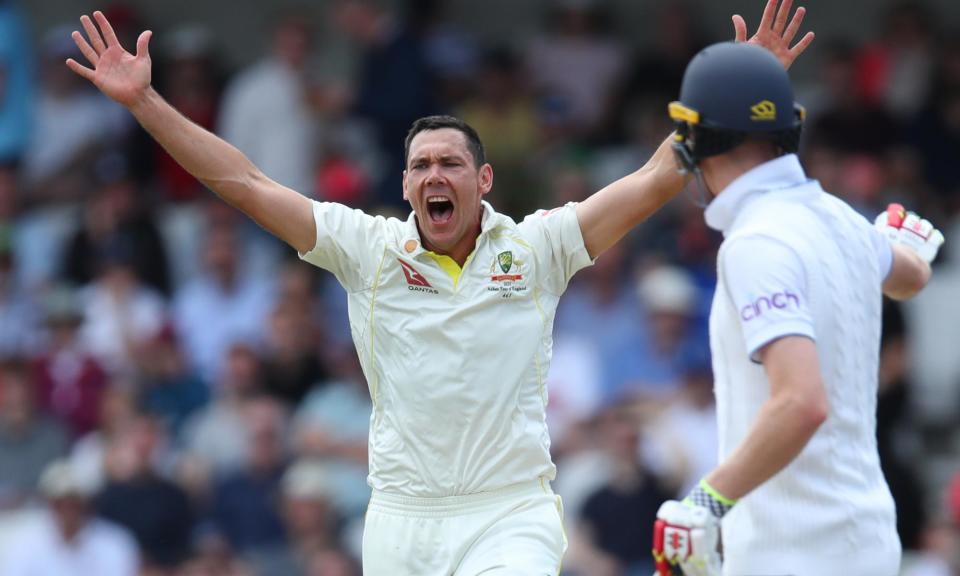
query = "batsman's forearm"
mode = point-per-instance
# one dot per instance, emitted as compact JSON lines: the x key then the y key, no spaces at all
{"x":228,"y":172}
{"x":908,"y":275}
{"x":780,"y":432}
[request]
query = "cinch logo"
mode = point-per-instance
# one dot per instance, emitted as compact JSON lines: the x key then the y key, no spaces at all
{"x":764,"y":111}
{"x":415,"y":280}
{"x":778,"y":300}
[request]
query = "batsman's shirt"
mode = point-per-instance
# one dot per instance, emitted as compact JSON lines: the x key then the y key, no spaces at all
{"x":455,"y":360}
{"x":798,"y":261}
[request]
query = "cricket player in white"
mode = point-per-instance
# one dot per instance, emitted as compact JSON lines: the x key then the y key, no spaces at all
{"x":795,"y":337}
{"x":451,"y":313}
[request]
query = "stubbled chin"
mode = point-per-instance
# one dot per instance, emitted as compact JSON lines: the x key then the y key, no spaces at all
{"x":442,"y":238}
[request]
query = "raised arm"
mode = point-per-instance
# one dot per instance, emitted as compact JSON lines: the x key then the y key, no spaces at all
{"x":607,"y":216}
{"x":125,"y":77}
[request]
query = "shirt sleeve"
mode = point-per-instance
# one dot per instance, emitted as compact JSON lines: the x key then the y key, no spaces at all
{"x":767,"y":283}
{"x":883,"y":250}
{"x":556,"y":238}
{"x":348,"y":243}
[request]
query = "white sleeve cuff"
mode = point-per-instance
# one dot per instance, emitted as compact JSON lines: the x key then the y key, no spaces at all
{"x":768,"y":334}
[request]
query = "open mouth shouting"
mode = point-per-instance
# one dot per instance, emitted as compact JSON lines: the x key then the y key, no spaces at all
{"x":440,"y":210}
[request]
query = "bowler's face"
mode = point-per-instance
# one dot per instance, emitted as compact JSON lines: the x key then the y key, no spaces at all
{"x":444,"y":187}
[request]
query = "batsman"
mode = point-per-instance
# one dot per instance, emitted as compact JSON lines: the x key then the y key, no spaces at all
{"x":795,"y":339}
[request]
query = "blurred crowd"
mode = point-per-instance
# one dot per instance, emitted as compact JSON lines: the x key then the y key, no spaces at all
{"x":179,"y":395}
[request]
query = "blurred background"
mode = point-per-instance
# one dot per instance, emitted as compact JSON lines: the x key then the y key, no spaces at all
{"x":180,"y":396}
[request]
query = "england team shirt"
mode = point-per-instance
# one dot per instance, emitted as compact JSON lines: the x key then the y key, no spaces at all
{"x":797,"y":261}
{"x":455,"y":360}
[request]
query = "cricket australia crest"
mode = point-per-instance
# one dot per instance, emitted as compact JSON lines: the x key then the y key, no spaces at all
{"x":505,"y":259}
{"x":507,"y":281}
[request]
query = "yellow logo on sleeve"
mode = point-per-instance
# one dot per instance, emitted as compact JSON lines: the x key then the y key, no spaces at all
{"x":764,"y":111}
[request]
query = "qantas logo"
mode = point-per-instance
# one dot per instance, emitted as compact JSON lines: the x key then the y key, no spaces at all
{"x":415,"y":280}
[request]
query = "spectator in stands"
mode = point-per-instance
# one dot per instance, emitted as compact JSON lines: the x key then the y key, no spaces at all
{"x":69,"y":380}
{"x":680,"y":442}
{"x":71,"y":125}
{"x":138,"y":497}
{"x":122,"y":316}
{"x":844,"y":120}
{"x":29,"y":441}
{"x":37,"y":236}
{"x":214,"y":557}
{"x":574,"y":388}
{"x":504,"y":115}
{"x":451,"y":50}
{"x":115,"y":213}
{"x":601,"y":303}
{"x":653,"y":367}
{"x":576,"y":65}
{"x":19,"y":318}
{"x":653,"y":76}
{"x":88,"y":455}
{"x":332,"y":425}
{"x":292,"y":363}
{"x":224,"y":305}
{"x":266,"y":111}
{"x":214,"y":438}
{"x":895,"y":72}
{"x":309,"y":518}
{"x":67,"y":540}
{"x":169,"y":389}
{"x":619,"y":515}
{"x":244,"y":501}
{"x":332,"y":562}
{"x":935,"y":132}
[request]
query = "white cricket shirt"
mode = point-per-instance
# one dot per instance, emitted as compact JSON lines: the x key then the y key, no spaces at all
{"x":455,"y":361}
{"x":798,"y":261}
{"x":37,"y":548}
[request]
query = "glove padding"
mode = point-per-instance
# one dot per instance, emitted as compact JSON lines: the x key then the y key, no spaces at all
{"x":908,"y":229}
{"x":687,"y":536}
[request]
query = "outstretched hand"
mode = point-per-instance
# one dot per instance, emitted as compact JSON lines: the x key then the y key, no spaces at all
{"x":774,"y":34}
{"x":117,"y":73}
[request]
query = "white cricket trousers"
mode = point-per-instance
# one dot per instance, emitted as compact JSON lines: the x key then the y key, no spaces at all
{"x":514,"y":531}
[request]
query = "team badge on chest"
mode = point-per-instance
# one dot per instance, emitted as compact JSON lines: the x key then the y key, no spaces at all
{"x":506,"y":260}
{"x":506,"y":275}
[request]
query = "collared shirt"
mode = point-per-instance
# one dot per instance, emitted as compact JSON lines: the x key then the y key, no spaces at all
{"x":100,"y":548}
{"x":798,"y":261}
{"x":455,"y":359}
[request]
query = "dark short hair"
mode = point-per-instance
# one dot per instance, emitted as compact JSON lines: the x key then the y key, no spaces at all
{"x":439,"y":122}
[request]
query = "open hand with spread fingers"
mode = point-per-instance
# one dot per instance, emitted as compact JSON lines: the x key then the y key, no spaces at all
{"x":122,"y":76}
{"x":774,"y":33}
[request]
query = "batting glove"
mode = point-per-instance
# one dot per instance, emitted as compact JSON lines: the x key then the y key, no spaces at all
{"x":908,"y":229}
{"x":686,"y":534}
